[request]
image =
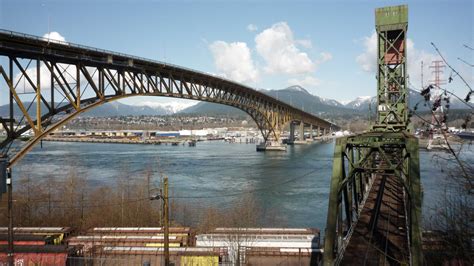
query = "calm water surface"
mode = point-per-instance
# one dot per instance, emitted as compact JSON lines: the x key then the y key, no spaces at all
{"x":291,"y":188}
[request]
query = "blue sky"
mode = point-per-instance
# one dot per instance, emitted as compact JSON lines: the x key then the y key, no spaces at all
{"x":323,"y":45}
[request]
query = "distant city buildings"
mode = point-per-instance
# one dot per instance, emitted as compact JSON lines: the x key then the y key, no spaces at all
{"x":159,"y":122}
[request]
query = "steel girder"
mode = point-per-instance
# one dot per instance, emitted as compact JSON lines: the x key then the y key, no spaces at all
{"x":358,"y":161}
{"x":67,"y":80}
{"x":374,"y":213}
{"x":392,"y":91}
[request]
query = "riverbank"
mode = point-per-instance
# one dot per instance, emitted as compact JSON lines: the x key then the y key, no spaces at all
{"x":125,"y":140}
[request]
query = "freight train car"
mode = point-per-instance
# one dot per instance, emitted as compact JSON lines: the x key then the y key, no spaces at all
{"x":56,"y":234}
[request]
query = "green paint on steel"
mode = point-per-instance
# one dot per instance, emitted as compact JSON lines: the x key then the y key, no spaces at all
{"x":389,"y":132}
{"x":333,"y":206}
{"x":392,"y":93}
{"x":392,"y":15}
{"x":416,"y":201}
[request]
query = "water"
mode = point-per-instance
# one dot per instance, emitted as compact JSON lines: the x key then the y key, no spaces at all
{"x":291,"y":188}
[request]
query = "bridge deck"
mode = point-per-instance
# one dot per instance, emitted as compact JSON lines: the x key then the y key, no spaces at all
{"x":380,"y":238}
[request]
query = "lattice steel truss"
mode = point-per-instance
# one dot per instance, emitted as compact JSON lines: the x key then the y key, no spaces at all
{"x":378,"y":221}
{"x":374,"y":212}
{"x":62,"y":80}
{"x":392,"y":94}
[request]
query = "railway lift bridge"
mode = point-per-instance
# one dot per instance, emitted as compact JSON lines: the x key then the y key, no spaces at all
{"x":374,"y":213}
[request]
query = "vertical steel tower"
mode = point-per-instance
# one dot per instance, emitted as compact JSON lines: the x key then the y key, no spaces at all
{"x":391,"y":24}
{"x":374,"y":211}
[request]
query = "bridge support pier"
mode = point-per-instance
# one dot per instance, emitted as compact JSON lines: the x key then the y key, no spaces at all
{"x":271,"y":145}
{"x":292,"y":133}
{"x":301,"y":133}
{"x":301,"y":139}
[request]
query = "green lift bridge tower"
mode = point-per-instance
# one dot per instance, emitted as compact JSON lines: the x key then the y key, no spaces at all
{"x":374,"y":212}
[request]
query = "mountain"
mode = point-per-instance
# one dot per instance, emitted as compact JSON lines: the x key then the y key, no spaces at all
{"x":361,"y":103}
{"x":213,"y":109}
{"x":171,"y":107}
{"x":121,"y":109}
{"x":293,"y":95}
{"x":105,"y":110}
{"x":301,"y":98}
{"x":414,"y":99}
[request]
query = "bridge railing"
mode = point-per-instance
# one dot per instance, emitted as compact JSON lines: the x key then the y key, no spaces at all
{"x":85,"y":47}
{"x":128,"y":56}
{"x":358,"y":160}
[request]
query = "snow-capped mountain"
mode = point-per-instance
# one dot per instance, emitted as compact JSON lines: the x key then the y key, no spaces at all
{"x":294,"y":95}
{"x":171,"y":107}
{"x":361,"y":102}
{"x":297,"y":88}
{"x":415,"y":101}
{"x":331,"y":102}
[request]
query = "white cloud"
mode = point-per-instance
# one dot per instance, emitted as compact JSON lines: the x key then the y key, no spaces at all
{"x":54,"y":36}
{"x":68,"y":71}
{"x":324,"y":57}
{"x":368,"y":59}
{"x":25,"y":86}
{"x":45,"y":81}
{"x":278,"y":48}
{"x":305,"y":43}
{"x":234,"y":61}
{"x":252,"y":27}
{"x":415,"y":57}
{"x":306,"y":82}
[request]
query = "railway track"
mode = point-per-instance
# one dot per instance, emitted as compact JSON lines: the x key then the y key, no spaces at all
{"x":380,"y":236}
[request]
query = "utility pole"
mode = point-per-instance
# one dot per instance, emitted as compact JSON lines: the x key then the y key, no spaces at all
{"x":6,"y":186}
{"x":10,"y":217}
{"x":166,"y":222}
{"x":165,"y":219}
{"x":437,"y":66}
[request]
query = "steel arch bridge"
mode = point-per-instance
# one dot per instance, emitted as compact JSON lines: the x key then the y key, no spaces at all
{"x":65,"y":80}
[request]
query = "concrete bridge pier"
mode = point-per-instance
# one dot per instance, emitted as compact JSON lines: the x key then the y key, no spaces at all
{"x":301,"y":131}
{"x":301,"y":139}
{"x":273,"y":143}
{"x":310,"y":133}
{"x":292,"y":133}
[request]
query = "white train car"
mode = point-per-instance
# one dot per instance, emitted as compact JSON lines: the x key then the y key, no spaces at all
{"x":262,"y":243}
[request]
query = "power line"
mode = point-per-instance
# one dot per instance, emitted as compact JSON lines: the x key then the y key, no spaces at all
{"x":468,"y":47}
{"x":86,"y":206}
{"x":454,"y":70}
{"x":462,"y":60}
{"x":444,"y":90}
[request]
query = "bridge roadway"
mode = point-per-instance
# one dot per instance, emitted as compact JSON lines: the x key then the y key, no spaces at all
{"x":374,"y":210}
{"x":66,"y":79}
